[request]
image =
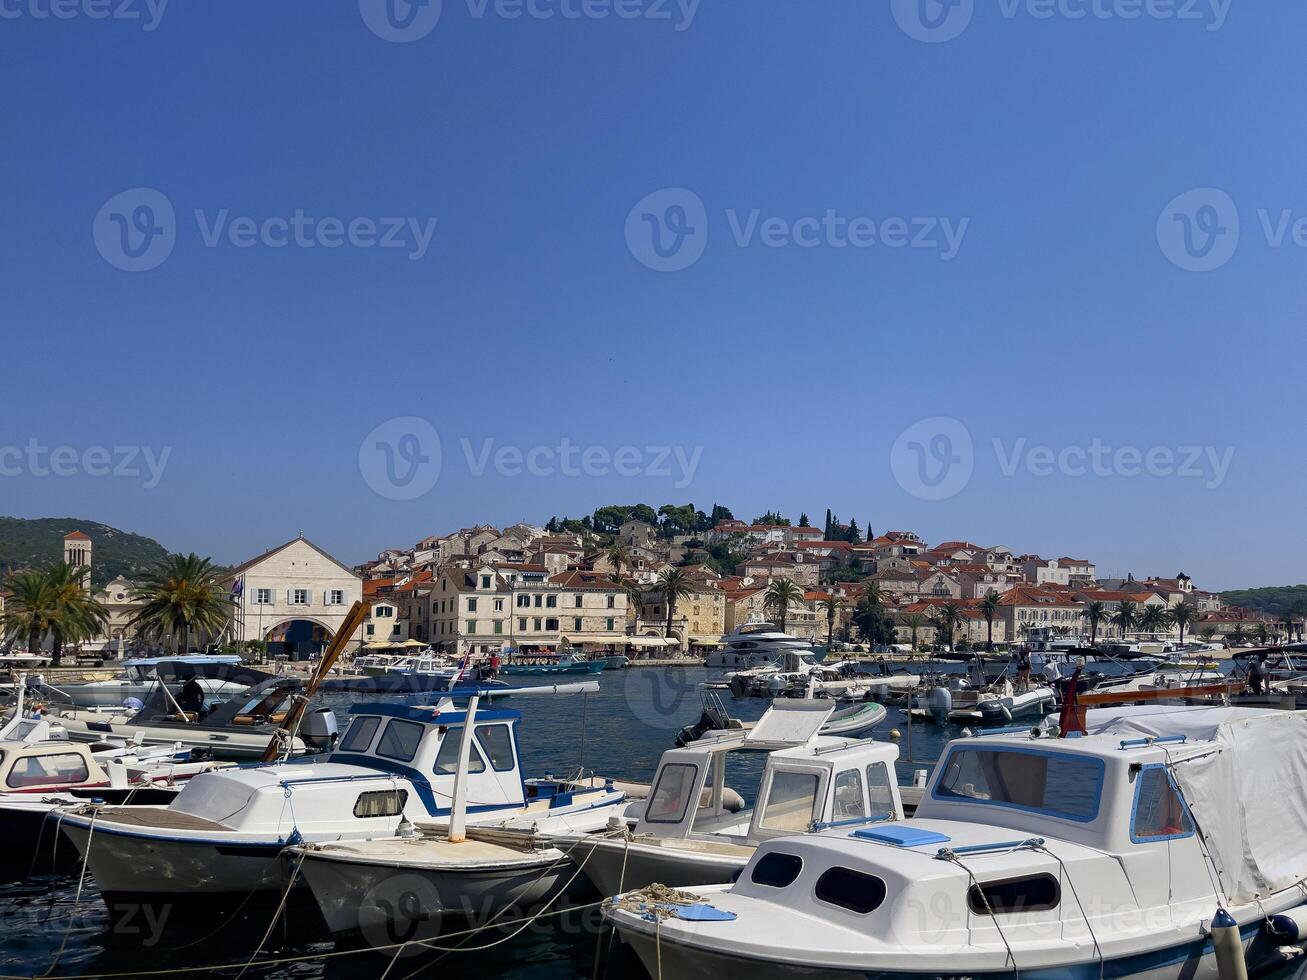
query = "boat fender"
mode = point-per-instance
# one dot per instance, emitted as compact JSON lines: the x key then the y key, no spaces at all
{"x":1005,"y":711}
{"x":941,"y":704}
{"x":1289,"y":926}
{"x":1228,"y":946}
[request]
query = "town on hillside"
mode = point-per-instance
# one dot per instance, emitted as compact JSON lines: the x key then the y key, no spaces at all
{"x":679,"y":582}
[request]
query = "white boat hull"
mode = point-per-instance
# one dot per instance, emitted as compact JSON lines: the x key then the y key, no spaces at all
{"x":613,"y":866}
{"x":395,"y":901}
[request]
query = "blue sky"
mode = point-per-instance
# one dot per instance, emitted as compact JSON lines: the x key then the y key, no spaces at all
{"x":820,"y":342}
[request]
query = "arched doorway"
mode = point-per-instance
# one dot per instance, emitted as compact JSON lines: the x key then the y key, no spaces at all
{"x":297,"y":639}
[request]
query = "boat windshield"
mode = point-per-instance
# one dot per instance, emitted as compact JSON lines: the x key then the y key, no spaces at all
{"x":1052,"y":783}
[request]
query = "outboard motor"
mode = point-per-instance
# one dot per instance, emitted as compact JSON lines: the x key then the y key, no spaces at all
{"x":941,"y":704}
{"x":319,"y":729}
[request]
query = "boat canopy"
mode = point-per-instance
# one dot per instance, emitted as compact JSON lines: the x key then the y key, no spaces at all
{"x":1246,"y":788}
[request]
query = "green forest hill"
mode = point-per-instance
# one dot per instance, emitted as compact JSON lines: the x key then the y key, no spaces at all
{"x":1273,"y":600}
{"x":36,"y":543}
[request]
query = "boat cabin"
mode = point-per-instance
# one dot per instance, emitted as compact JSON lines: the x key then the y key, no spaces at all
{"x":810,"y":780}
{"x":1015,"y":833}
{"x":42,"y":767}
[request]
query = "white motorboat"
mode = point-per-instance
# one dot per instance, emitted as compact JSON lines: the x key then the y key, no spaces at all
{"x":138,"y":680}
{"x":1165,"y":843}
{"x":755,"y":645}
{"x":239,"y":728}
{"x":396,"y":764}
{"x":810,"y":781}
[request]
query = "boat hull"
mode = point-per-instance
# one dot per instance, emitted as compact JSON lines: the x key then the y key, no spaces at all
{"x":389,"y":902}
{"x":1190,"y":961}
{"x":536,"y":670}
{"x":613,"y":867}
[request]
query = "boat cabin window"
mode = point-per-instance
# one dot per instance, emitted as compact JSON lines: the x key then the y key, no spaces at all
{"x":852,"y":890}
{"x":1159,"y":813}
{"x":791,"y":802}
{"x":1032,"y":893}
{"x":1051,"y":783}
{"x":359,"y":736}
{"x":400,"y":740}
{"x":879,"y":793}
{"x":776,"y":870}
{"x":848,"y":803}
{"x":47,"y":770}
{"x":677,"y":783}
{"x":382,"y":803}
{"x":447,"y":757}
{"x":497,"y":744}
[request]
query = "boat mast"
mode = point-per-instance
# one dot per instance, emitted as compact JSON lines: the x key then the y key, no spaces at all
{"x":458,"y":809}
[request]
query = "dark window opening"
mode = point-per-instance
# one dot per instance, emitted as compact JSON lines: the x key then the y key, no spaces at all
{"x":1035,"y":893}
{"x":852,"y":890}
{"x":776,"y":870}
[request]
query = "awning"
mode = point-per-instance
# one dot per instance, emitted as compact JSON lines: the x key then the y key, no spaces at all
{"x":600,"y":639}
{"x":707,"y":641}
{"x":650,"y":641}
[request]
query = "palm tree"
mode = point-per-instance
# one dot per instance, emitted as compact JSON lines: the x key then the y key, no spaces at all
{"x":1207,"y":632}
{"x":1182,"y":617}
{"x":1153,"y":619}
{"x":989,"y":607}
{"x":619,"y":555}
{"x":30,"y":607}
{"x":914,"y":622}
{"x":779,"y":596}
{"x":181,"y":594}
{"x":1263,"y":634}
{"x":831,"y":606}
{"x":1238,"y":636}
{"x":77,"y":614}
{"x":1126,"y":616}
{"x":950,"y":614}
{"x":634,"y":595}
{"x":673,"y":585}
{"x":1027,"y":627}
{"x":1094,"y":614}
{"x":873,"y":593}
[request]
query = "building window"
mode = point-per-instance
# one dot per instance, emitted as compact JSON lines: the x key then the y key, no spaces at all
{"x":540,"y":600}
{"x":485,"y":581}
{"x":576,"y":624}
{"x":499,"y":605}
{"x":471,"y":605}
{"x":535,"y":624}
{"x":551,"y":602}
{"x":263,"y":597}
{"x":382,"y":612}
{"x":523,"y":601}
{"x":499,"y":626}
{"x":521,"y":624}
{"x":612,"y":602}
{"x":609,"y":624}
{"x":369,"y":630}
{"x":579,"y":600}
{"x":471,"y":626}
{"x":336,"y":597}
{"x":299,"y":597}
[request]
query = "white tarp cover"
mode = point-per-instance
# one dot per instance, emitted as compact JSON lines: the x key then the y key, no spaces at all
{"x":1249,"y":798}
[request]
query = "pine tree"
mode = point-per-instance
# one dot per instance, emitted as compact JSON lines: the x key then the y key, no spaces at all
{"x":853,"y":537}
{"x":825,"y":536}
{"x":803,"y":520}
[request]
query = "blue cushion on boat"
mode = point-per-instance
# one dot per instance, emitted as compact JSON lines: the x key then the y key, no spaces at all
{"x":703,"y":913}
{"x":900,"y":836}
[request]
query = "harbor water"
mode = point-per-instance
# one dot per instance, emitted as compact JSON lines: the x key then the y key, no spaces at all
{"x":620,"y":731}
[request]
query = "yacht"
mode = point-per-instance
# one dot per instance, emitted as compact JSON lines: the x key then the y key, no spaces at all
{"x":1163,"y":843}
{"x":139,"y":677}
{"x":755,"y":645}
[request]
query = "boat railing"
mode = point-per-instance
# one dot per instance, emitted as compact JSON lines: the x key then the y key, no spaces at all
{"x":820,"y":825}
{"x":1139,"y":743}
{"x":948,"y":853}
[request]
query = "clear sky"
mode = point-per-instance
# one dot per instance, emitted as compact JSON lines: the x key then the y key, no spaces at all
{"x":936,"y":267}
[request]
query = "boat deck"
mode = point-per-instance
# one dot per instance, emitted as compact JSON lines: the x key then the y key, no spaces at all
{"x":157,"y":818}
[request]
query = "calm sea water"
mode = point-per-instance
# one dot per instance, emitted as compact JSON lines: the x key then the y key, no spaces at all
{"x":620,"y":731}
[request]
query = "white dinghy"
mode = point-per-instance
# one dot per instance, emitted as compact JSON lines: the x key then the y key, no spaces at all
{"x":810,"y":781}
{"x":1159,"y":845}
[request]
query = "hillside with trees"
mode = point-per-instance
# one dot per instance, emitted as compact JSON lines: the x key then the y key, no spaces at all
{"x":38,"y":543}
